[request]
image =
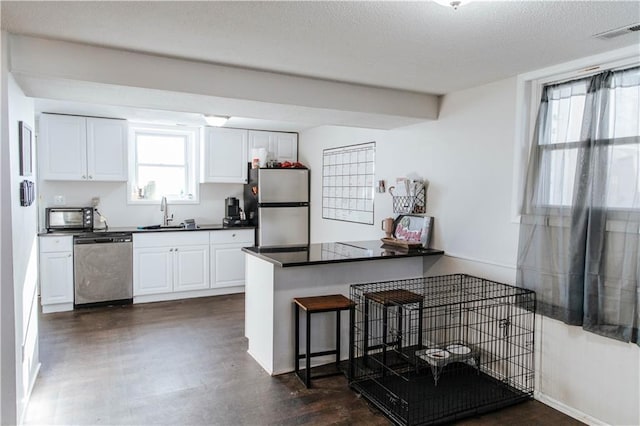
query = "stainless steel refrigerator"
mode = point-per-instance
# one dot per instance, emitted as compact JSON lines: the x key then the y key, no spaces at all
{"x":276,"y":201}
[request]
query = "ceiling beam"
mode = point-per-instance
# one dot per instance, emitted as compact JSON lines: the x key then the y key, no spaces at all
{"x":63,"y":70}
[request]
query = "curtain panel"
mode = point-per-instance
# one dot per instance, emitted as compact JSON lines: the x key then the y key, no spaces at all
{"x":579,"y":244}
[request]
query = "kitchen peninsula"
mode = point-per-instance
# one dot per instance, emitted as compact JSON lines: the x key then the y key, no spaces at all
{"x":275,"y":275}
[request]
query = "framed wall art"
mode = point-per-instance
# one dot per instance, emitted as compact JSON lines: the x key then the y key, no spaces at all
{"x":25,"y":136}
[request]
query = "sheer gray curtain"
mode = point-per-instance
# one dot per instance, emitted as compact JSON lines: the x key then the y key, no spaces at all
{"x":579,"y":244}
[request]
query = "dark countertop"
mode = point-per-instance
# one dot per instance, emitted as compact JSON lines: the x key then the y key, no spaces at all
{"x":135,"y":230}
{"x":336,"y":252}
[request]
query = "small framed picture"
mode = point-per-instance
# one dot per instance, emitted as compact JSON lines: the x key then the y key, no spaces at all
{"x":413,"y":229}
{"x":25,"y":136}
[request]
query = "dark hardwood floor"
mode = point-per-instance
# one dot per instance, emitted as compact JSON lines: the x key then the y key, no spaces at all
{"x":185,"y":362}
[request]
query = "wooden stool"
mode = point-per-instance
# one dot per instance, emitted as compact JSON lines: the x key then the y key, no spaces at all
{"x":313,"y":305}
{"x":388,"y":298}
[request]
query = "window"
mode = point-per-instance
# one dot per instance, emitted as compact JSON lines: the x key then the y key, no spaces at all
{"x":163,"y":163}
{"x":562,"y":143}
{"x":579,"y":245}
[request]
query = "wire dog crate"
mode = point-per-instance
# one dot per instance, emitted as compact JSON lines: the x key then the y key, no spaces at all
{"x":435,"y":349}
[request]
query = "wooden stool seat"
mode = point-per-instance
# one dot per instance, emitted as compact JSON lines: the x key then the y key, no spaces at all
{"x":391,"y":298}
{"x":313,"y":305}
{"x":394,"y":297}
{"x":324,"y":303}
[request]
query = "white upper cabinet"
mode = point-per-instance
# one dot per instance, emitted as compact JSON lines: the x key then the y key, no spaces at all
{"x":106,"y":149}
{"x":224,"y":155}
{"x":286,"y":146}
{"x":63,"y":147}
{"x":82,"y":148}
{"x":280,"y":146}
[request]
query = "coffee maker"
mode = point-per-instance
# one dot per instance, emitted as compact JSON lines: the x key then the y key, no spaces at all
{"x":233,"y":213}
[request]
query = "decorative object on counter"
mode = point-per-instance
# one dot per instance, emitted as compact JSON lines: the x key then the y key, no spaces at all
{"x":388,"y":227}
{"x":410,"y":232}
{"x":27,"y":193}
{"x":25,"y":134}
{"x":348,"y":183}
{"x":409,"y":197}
{"x":381,"y":187}
{"x":414,"y":229}
{"x":444,"y":348}
{"x":400,"y":244}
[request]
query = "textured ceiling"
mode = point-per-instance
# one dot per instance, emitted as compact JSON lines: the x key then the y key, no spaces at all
{"x":416,"y":46}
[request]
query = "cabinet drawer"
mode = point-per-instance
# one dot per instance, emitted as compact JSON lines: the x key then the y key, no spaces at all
{"x":170,"y":239}
{"x":233,"y":236}
{"x":56,"y":244}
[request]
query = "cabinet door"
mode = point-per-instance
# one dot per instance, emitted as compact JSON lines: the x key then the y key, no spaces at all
{"x":260,"y":139}
{"x":152,"y":270}
{"x":63,"y":147}
{"x":106,"y":149}
{"x":192,"y":267}
{"x":225,"y":155}
{"x":56,"y":277}
{"x":229,"y":265}
{"x":285,"y":146}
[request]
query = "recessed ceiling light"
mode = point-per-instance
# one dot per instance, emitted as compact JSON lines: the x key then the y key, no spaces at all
{"x":455,"y":4}
{"x":215,"y":120}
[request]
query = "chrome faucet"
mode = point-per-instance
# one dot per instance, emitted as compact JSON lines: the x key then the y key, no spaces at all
{"x":164,"y":208}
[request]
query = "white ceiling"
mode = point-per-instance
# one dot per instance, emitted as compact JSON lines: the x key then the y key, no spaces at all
{"x":415,"y":46}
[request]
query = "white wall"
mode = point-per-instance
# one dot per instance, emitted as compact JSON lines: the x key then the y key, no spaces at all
{"x":113,"y":202}
{"x":25,"y":252}
{"x":467,"y":155}
{"x":8,"y":407}
{"x":20,"y":361}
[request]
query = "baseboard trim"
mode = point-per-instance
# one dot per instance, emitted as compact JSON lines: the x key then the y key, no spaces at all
{"x":27,"y":398}
{"x":476,"y":260}
{"x":569,"y":411}
{"x":266,"y":368}
{"x":164,"y":297}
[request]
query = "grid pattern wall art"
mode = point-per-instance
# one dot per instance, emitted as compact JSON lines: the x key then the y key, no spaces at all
{"x":348,"y":183}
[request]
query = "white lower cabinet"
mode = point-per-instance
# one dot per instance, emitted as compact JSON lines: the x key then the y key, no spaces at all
{"x":56,"y":273}
{"x":170,"y":262}
{"x":192,"y":268}
{"x":152,"y":270}
{"x":176,"y":265}
{"x":227,"y":258}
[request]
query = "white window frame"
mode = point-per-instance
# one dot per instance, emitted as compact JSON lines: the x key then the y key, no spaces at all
{"x":528,"y":92}
{"x":192,"y":137}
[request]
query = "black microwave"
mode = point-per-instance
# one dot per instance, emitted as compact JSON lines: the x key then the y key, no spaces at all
{"x":69,"y":219}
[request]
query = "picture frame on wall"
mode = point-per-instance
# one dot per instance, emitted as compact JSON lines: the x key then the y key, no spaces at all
{"x":25,"y":137}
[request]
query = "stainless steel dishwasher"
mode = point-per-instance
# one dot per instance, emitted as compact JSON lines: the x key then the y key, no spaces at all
{"x":103,"y":268}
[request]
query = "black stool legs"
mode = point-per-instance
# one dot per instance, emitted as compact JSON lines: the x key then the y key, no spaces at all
{"x":305,"y":376}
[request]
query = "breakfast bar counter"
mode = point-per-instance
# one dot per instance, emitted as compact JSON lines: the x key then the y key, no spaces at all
{"x":275,"y":275}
